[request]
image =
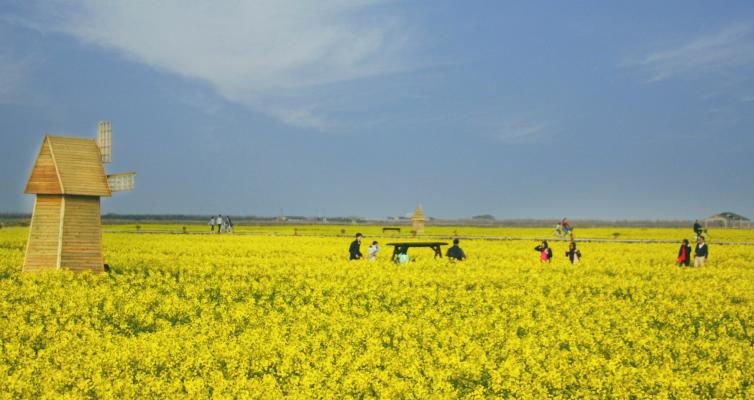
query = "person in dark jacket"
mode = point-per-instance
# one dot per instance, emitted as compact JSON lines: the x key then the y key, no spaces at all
{"x":573,"y":254}
{"x":545,"y":252}
{"x":697,"y":228}
{"x":455,"y":252}
{"x":355,"y":249}
{"x":700,"y":252}
{"x":684,"y":254}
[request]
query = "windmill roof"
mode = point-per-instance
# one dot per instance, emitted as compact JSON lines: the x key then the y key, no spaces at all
{"x":68,"y":165}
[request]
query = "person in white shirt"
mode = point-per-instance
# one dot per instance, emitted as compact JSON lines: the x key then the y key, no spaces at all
{"x":373,"y":250}
{"x":219,"y":222}
{"x":212,"y":224}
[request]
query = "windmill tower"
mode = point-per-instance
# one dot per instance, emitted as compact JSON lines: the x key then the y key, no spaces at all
{"x":418,"y":220}
{"x":68,"y":179}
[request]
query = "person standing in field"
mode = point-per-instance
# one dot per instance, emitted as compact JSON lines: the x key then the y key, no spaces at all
{"x":212,"y":224}
{"x":697,"y":228}
{"x":700,"y":253}
{"x":573,"y":254}
{"x":219,"y":223}
{"x":455,"y":252}
{"x":684,"y":254}
{"x":228,"y":224}
{"x":545,"y":252}
{"x":373,"y":250}
{"x":355,"y":249}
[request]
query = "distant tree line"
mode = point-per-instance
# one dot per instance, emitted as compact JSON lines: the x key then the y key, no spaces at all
{"x":22,"y":219}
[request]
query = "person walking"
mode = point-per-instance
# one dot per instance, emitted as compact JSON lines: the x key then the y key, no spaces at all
{"x":455,"y":253}
{"x":573,"y":254}
{"x":228,"y":224}
{"x":355,"y":249}
{"x":700,"y":253}
{"x":212,"y":224}
{"x":219,"y":223}
{"x":373,"y":250}
{"x":545,"y":252}
{"x":684,"y":254}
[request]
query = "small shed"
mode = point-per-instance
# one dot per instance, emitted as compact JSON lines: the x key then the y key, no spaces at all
{"x":727,"y":220}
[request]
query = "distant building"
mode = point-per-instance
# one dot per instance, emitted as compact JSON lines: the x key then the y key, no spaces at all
{"x":727,"y":220}
{"x":418,"y":220}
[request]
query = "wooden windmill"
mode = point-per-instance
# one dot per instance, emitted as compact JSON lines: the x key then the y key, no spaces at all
{"x":69,"y":178}
{"x":418,"y":220}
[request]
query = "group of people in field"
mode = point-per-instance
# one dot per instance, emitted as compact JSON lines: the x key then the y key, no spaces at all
{"x":564,"y":228}
{"x":354,"y":250}
{"x":223,"y":223}
{"x":454,"y":253}
{"x":701,"y":250}
{"x":545,"y":252}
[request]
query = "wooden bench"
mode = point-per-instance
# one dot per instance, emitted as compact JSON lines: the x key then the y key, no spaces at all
{"x":402,"y":247}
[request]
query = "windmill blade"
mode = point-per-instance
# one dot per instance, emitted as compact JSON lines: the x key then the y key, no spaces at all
{"x":122,"y":182}
{"x":105,"y":141}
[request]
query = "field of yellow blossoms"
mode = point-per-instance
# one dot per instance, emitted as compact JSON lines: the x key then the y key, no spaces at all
{"x":236,"y":316}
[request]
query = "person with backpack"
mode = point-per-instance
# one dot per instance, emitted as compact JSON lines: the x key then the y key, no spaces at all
{"x":545,"y":252}
{"x":684,"y":254}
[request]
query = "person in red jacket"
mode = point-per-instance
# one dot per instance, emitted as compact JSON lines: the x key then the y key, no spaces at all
{"x":684,"y":254}
{"x":567,"y":228}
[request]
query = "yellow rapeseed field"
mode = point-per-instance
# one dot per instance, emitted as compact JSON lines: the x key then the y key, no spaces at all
{"x":237,"y":316}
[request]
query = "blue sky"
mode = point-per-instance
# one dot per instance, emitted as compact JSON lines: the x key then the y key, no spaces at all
{"x":632,"y":110}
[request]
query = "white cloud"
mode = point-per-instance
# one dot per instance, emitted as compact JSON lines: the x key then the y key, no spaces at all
{"x":276,"y":57}
{"x":518,"y":131}
{"x":728,"y":48}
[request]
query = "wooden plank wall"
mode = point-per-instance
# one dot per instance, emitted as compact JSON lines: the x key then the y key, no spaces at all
{"x":81,"y":249}
{"x":44,"y":178}
{"x":44,"y":234}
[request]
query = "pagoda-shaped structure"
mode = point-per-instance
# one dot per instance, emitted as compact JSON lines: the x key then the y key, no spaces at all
{"x":418,"y":220}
